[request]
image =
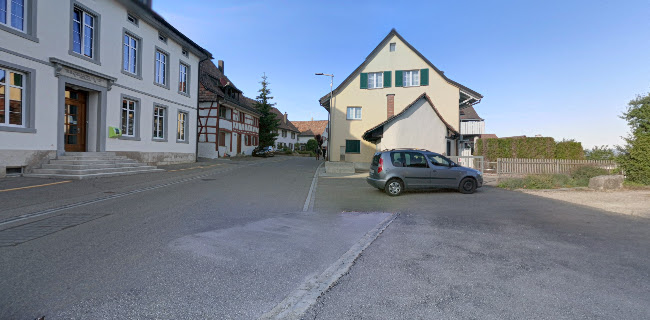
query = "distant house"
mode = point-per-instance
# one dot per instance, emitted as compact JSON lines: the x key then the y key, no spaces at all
{"x":228,"y":121}
{"x":287,"y":132}
{"x":393,"y":77}
{"x":309,"y":130}
{"x":471,"y":128}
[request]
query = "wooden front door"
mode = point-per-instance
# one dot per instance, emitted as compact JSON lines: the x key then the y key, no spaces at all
{"x":238,"y":143}
{"x":75,"y":120}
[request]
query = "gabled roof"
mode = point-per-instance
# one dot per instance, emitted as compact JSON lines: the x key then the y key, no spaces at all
{"x":468,"y":92}
{"x":311,"y":128}
{"x":212,"y":83}
{"x":284,"y":125}
{"x":469,"y":114}
{"x":368,"y":134}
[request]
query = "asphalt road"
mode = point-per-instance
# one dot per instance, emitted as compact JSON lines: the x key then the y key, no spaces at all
{"x":231,"y":241}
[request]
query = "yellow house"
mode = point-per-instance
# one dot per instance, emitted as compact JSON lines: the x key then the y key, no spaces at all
{"x":376,"y":96}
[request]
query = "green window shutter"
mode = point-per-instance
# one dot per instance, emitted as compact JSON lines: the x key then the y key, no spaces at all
{"x":352,"y":146}
{"x":364,"y":81}
{"x":399,"y":80}
{"x":424,"y":77}
{"x":387,"y":79}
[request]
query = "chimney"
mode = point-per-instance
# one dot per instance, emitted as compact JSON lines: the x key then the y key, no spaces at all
{"x":285,"y":117}
{"x":312,"y":118}
{"x":390,"y":105}
{"x":220,"y":66}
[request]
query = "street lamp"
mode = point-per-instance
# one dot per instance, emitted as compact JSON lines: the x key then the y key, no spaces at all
{"x":329,"y":114}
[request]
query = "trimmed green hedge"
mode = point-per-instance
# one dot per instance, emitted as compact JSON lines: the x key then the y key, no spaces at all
{"x":528,"y":148}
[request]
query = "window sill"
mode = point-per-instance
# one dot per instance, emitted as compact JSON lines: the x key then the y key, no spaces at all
{"x":183,"y":141}
{"x":19,"y":33}
{"x":137,"y":76}
{"x":81,"y":56}
{"x":352,"y":152}
{"x":129,"y":138}
{"x":17,"y":129}
{"x":158,"y":140}
{"x":166,"y":86}
{"x":184,"y":94}
{"x":354,"y":119}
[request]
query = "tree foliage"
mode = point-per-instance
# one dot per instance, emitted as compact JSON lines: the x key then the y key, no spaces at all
{"x":600,"y":153}
{"x":312,"y":144}
{"x":268,"y":122}
{"x":635,"y":154}
{"x":569,"y":149}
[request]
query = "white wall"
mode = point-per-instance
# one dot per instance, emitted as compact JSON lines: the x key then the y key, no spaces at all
{"x":287,"y":140}
{"x":53,"y":33}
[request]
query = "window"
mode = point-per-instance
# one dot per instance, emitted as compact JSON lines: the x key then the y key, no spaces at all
{"x":12,"y":13}
{"x":161,"y":69}
{"x":130,"y":54}
{"x":284,"y":133}
{"x":247,"y":140}
{"x":12,"y":98}
{"x":223,"y":113}
{"x":162,"y":38}
{"x":83,"y":33}
{"x":222,"y":139}
{"x":183,"y":78}
{"x":375,"y":80}
{"x":129,"y":118}
{"x":354,"y":113}
{"x":184,"y":52}
{"x":392,"y":47}
{"x":411,"y":78}
{"x":352,"y":146}
{"x":130,"y":18}
{"x":439,"y":160}
{"x":182,"y":127}
{"x":293,"y":135}
{"x":159,"y":123}
{"x":415,"y":160}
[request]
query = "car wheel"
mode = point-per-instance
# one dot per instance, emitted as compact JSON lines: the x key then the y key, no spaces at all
{"x":394,"y":187}
{"x":467,"y":186}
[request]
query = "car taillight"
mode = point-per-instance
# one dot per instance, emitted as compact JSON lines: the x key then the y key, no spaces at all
{"x":381,"y":165}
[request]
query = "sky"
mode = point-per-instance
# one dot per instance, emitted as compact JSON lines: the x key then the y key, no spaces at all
{"x":561,"y":69}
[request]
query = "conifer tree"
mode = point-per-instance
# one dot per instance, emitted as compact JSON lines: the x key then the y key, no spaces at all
{"x":268,"y":122}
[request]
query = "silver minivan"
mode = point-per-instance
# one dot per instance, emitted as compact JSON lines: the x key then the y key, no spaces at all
{"x":397,"y":170}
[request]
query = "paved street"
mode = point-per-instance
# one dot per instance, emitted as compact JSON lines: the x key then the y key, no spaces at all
{"x":231,"y":240}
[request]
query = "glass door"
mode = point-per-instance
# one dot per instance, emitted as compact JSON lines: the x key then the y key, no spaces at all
{"x":75,"y":121}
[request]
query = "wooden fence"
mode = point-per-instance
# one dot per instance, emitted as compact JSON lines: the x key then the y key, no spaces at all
{"x":548,"y":166}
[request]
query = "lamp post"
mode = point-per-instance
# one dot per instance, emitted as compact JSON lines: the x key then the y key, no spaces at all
{"x":329,"y":115}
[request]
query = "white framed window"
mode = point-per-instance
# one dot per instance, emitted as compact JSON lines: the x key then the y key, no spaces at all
{"x":161,"y":68}
{"x":181,"y":125}
{"x":83,"y":33}
{"x":131,"y":18}
{"x":130,"y":52}
{"x":13,"y":14}
{"x":129,"y":117}
{"x":411,"y":78}
{"x":12,"y":98}
{"x":392,"y":47}
{"x":375,"y":80}
{"x":354,"y":113}
{"x":185,"y":53}
{"x":159,"y":122}
{"x":183,"y":70}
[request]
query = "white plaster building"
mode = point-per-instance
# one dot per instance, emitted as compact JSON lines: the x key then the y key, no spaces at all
{"x":309,"y":130}
{"x":72,"y":69}
{"x":287,"y":132}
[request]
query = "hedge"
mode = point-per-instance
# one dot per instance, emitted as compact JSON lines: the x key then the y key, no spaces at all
{"x":528,"y":148}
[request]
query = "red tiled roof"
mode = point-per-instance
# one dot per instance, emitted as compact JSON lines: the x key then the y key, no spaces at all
{"x":284,"y":125}
{"x":311,"y":128}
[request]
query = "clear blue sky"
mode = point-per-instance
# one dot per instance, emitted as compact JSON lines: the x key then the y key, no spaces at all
{"x":564,"y":69}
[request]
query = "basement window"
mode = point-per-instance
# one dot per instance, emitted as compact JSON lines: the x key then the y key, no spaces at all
{"x":14,"y":171}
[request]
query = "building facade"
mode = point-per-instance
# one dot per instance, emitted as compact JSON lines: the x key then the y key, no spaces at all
{"x":228,"y":121}
{"x":73,"y":71}
{"x":287,"y":132}
{"x":391,"y":78}
{"x":309,"y":130}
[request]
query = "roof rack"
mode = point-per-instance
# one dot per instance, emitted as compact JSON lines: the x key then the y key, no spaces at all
{"x":407,"y":149}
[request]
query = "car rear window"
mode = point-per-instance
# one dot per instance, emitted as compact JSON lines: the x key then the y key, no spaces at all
{"x":375,"y":159}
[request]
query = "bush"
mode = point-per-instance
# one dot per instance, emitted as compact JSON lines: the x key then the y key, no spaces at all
{"x":312,"y":145}
{"x":636,"y":163}
{"x":542,"y":181}
{"x":529,"y":148}
{"x":582,"y":175}
{"x":569,"y":149}
{"x":310,"y":153}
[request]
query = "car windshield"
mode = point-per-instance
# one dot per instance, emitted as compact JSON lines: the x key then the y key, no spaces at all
{"x":439,"y":160}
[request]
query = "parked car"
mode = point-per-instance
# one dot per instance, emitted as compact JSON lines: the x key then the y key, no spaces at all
{"x":263,"y":152}
{"x":404,"y":169}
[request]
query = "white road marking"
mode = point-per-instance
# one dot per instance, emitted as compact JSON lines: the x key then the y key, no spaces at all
{"x":301,"y":299}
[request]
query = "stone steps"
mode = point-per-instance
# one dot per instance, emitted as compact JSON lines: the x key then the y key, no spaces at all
{"x":88,"y":165}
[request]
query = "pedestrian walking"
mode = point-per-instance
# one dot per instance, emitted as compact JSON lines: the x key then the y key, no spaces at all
{"x":317,"y":153}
